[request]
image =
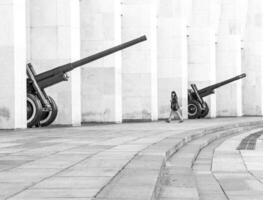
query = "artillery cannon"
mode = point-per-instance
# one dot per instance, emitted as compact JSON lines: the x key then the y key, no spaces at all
{"x":41,"y":108}
{"x":197,"y":107}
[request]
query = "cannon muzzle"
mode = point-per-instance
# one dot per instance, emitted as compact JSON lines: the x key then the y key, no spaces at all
{"x":242,"y":75}
{"x":107,"y":52}
{"x":210,"y":89}
{"x":70,"y":66}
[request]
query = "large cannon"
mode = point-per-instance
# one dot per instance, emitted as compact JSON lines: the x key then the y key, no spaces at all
{"x":197,"y":107}
{"x":41,"y":108}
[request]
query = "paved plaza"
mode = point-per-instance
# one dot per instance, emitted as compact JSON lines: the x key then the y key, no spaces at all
{"x":194,"y":160}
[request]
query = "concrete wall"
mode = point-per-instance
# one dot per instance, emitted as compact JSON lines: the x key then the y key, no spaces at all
{"x":202,"y":49}
{"x":13,"y":64}
{"x":189,"y":41}
{"x":228,"y":52}
{"x":172,"y":53}
{"x":101,"y":80}
{"x":139,"y":64}
{"x":54,"y":40}
{"x":253,"y":60}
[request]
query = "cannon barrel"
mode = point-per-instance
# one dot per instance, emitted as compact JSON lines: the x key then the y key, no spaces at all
{"x":70,"y":66}
{"x":209,"y":90}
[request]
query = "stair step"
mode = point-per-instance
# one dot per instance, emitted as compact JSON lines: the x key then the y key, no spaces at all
{"x":180,"y":181}
{"x":207,"y":185}
{"x":142,"y":177}
{"x":234,"y":177}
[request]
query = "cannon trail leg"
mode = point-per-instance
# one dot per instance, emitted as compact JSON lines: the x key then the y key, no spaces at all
{"x":49,"y":116}
{"x":204,"y":111}
{"x":38,"y":103}
{"x":40,"y":93}
{"x":195,"y":98}
{"x":34,"y":110}
{"x":194,"y":109}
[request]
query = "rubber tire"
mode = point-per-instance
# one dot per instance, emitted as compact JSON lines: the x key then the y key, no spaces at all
{"x":36,"y":107}
{"x":47,"y":119}
{"x":204,"y":112}
{"x":197,"y":107}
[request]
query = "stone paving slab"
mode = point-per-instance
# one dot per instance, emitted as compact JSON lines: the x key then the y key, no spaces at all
{"x":202,"y":181}
{"x":180,"y":193}
{"x":208,"y":186}
{"x":90,"y":157}
{"x":180,"y":180}
{"x":90,"y":172}
{"x":69,"y":193}
{"x":239,"y":184}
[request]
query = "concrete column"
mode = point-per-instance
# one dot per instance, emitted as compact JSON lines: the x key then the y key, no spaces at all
{"x":172,"y":54}
{"x":13,"y":64}
{"x":253,"y":60}
{"x":228,"y":55}
{"x":202,"y":63}
{"x":101,"y":80}
{"x":55,"y":40}
{"x":139,"y":74}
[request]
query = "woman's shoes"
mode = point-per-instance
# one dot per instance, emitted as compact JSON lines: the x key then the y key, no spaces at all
{"x":168,"y":121}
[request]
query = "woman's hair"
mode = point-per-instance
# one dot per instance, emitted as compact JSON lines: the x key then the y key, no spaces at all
{"x":173,"y":93}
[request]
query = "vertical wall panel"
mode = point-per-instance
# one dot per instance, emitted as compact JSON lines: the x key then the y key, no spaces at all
{"x":230,"y":34}
{"x":202,"y":49}
{"x":13,"y":64}
{"x":172,"y":53}
{"x":253,"y":60}
{"x":101,"y":80}
{"x":54,"y":41}
{"x":139,"y":64}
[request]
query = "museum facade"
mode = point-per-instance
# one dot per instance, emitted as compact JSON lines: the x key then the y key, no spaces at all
{"x":188,"y":42}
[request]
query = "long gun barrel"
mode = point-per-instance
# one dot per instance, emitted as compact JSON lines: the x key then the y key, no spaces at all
{"x":210,"y":89}
{"x":70,"y":66}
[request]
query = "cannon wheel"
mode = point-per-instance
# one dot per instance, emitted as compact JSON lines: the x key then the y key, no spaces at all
{"x":205,"y":111}
{"x":48,"y":117}
{"x":34,"y":110}
{"x":194,"y":109}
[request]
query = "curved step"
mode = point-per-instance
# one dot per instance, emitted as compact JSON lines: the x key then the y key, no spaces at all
{"x":208,"y":186}
{"x":141,"y":178}
{"x":181,"y":182}
{"x":238,"y":178}
{"x":85,"y":162}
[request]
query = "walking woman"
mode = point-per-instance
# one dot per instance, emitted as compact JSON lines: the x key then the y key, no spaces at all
{"x":175,"y":108}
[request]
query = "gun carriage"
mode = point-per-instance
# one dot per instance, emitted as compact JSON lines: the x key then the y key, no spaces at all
{"x":197,"y":107}
{"x":41,"y":108}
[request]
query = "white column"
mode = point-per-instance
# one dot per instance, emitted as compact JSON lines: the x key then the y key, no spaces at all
{"x":55,"y":40}
{"x":253,"y":60}
{"x":101,"y":80}
{"x":13,"y":64}
{"x":202,"y":62}
{"x":139,"y":74}
{"x":172,"y":54}
{"x":231,"y":26}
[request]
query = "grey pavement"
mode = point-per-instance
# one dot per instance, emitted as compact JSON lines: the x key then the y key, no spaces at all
{"x":119,"y":161}
{"x":241,"y":177}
